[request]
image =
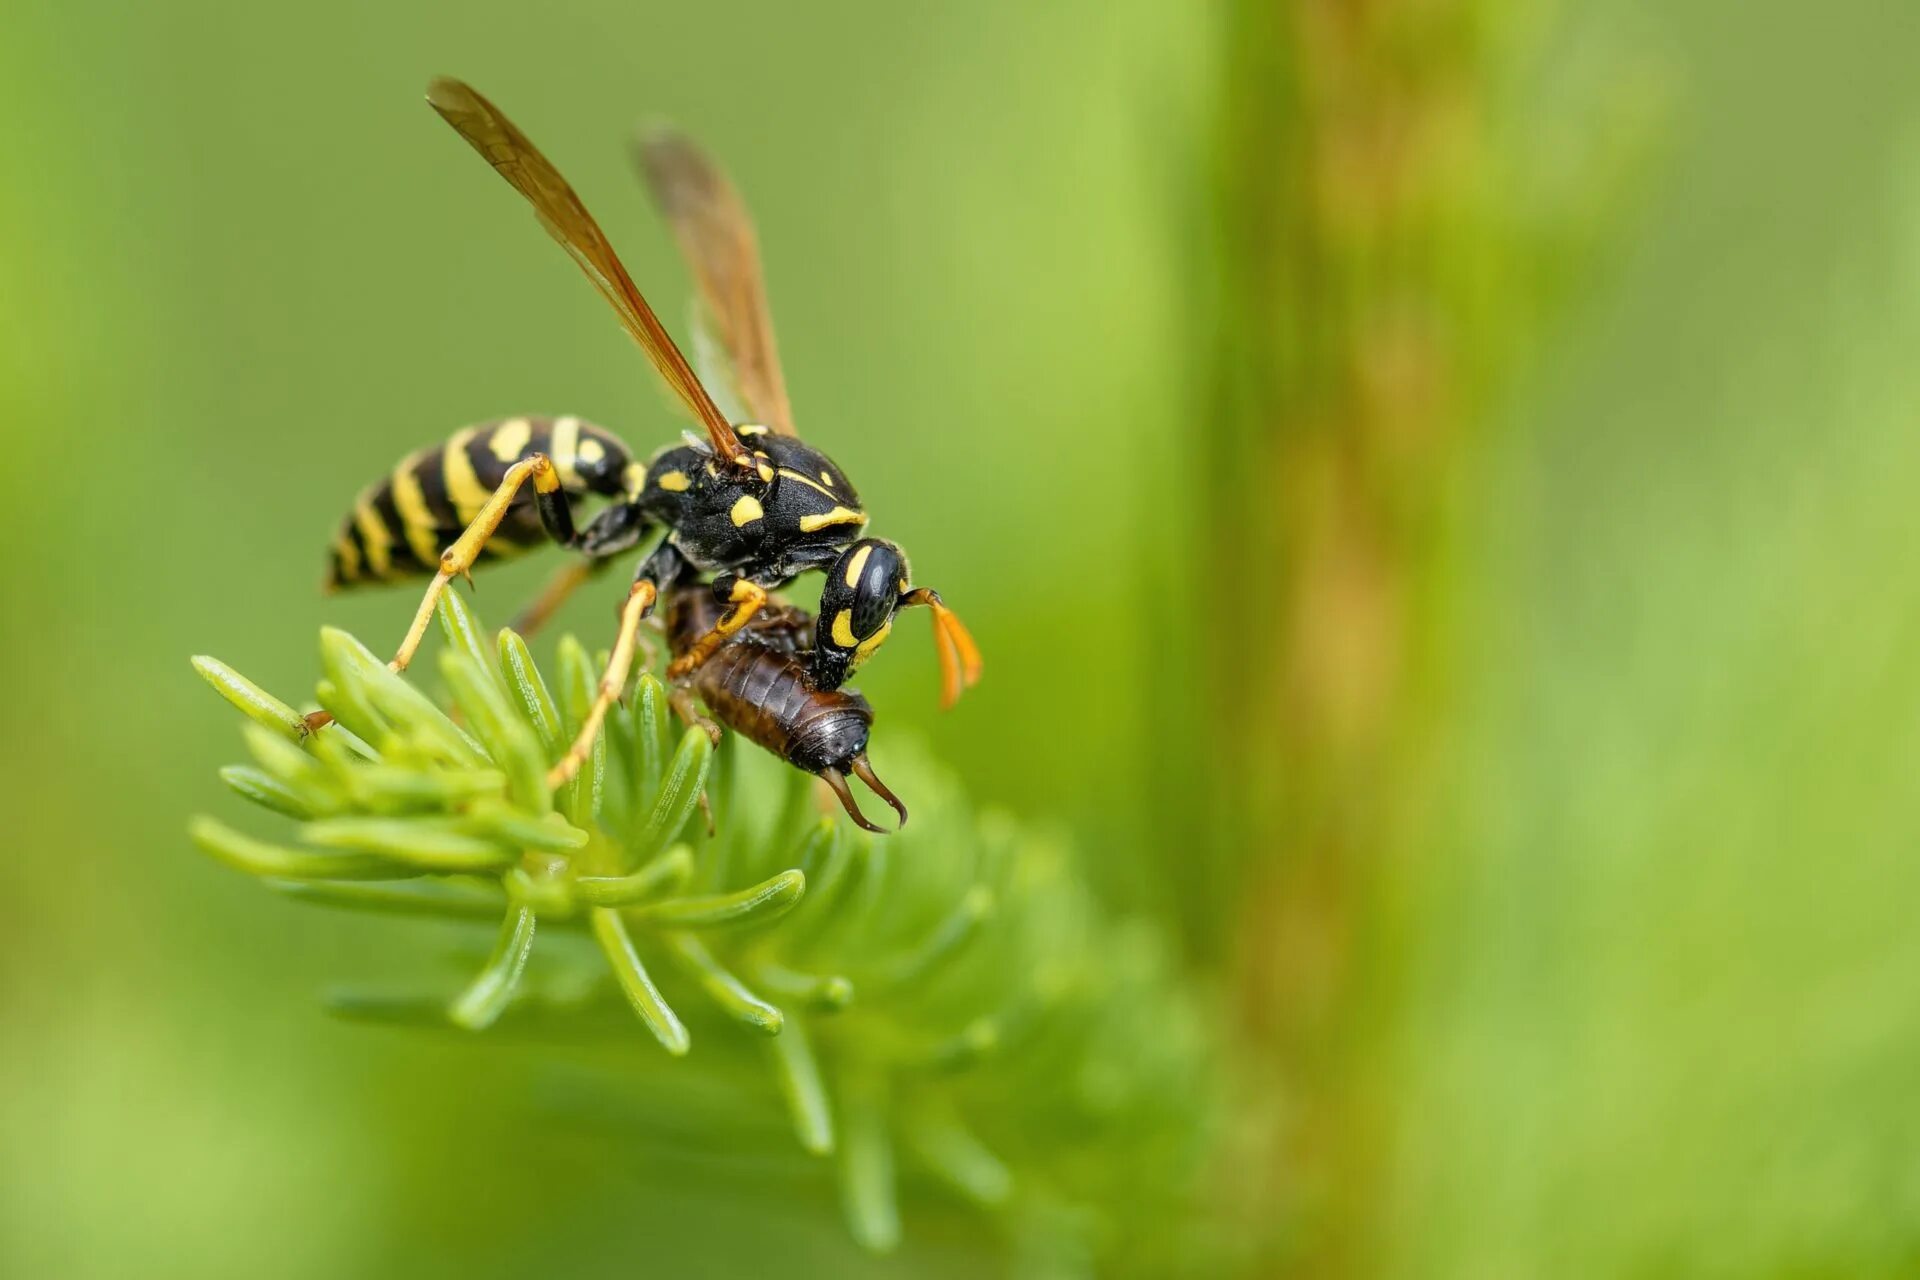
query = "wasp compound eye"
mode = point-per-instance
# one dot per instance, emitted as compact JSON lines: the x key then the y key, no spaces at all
{"x":856,"y":608}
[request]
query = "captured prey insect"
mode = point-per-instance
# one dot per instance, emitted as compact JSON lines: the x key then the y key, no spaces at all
{"x":742,"y":510}
{"x":759,"y":683}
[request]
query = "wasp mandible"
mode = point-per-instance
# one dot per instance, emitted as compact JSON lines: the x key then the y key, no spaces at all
{"x":749,"y":504}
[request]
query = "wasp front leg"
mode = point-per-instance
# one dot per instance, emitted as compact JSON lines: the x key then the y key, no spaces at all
{"x":747,"y":599}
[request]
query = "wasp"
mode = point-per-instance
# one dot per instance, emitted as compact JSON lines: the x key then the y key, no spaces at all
{"x":741,"y":508}
{"x":760,"y":684}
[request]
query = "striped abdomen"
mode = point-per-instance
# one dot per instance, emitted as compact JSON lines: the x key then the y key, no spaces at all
{"x":399,"y":527}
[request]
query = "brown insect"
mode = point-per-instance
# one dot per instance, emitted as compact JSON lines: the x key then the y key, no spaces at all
{"x":757,"y":684}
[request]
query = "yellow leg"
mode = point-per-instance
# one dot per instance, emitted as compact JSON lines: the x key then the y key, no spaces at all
{"x":558,"y":591}
{"x":612,"y":681}
{"x":747,"y":600}
{"x":457,"y":560}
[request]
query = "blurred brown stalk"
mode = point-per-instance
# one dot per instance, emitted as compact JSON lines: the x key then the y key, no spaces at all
{"x":1364,"y":288}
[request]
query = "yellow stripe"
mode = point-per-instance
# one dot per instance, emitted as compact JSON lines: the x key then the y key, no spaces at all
{"x":747,"y":509}
{"x":855,"y":565}
{"x":843,"y":629}
{"x":374,"y":536}
{"x":865,"y":648}
{"x":564,"y":448}
{"x":809,"y":481}
{"x":674,"y":481}
{"x":634,"y":478}
{"x":839,"y":515}
{"x":412,"y":506}
{"x":343,"y":546}
{"x":510,"y":438}
{"x":463,"y":486}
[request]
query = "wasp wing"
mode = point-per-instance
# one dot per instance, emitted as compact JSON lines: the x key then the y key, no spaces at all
{"x":517,"y":160}
{"x":714,"y":365}
{"x":716,"y":234}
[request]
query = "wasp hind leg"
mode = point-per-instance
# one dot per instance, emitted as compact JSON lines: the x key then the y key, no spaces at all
{"x":556,"y":517}
{"x":612,"y":682}
{"x":559,"y":589}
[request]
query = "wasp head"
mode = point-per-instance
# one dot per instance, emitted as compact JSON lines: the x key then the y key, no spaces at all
{"x":857,"y":605}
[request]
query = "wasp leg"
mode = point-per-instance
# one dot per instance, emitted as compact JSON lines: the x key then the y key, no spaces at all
{"x":614,"y":679}
{"x":959,"y":655}
{"x":663,"y":567}
{"x":457,"y":560}
{"x":747,"y":599}
{"x":559,"y":589}
{"x":557,"y":592}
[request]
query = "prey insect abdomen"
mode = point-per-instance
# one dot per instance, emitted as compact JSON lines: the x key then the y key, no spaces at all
{"x":400,"y":525}
{"x":752,"y":690}
{"x":763,"y":694}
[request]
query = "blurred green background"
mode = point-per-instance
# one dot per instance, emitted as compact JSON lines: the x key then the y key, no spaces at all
{"x":1625,"y":972}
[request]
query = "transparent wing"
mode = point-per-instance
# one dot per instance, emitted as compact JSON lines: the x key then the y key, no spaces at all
{"x":715,"y":366}
{"x":716,"y":234}
{"x":520,"y":162}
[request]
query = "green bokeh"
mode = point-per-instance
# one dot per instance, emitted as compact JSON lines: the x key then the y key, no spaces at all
{"x":1657,"y":1014}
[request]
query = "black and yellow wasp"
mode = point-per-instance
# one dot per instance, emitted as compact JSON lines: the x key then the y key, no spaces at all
{"x":749,"y":503}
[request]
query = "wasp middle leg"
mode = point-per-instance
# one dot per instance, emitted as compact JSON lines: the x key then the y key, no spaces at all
{"x":612,"y":682}
{"x":558,"y":590}
{"x":657,"y":572}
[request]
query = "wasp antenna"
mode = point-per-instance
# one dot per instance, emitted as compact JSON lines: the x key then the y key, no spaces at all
{"x":838,"y":781}
{"x":962,"y":641}
{"x":864,"y":771}
{"x":959,"y":655}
